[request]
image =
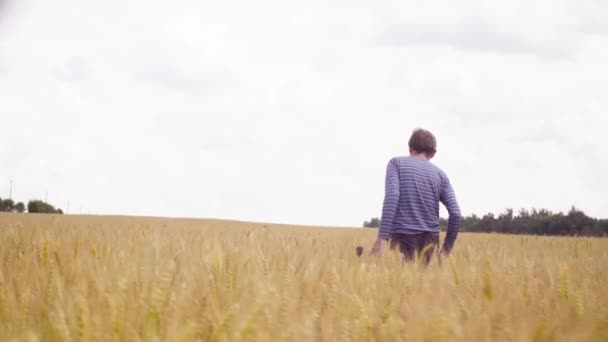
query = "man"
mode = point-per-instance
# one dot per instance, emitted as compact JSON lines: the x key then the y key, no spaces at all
{"x":414,"y":189}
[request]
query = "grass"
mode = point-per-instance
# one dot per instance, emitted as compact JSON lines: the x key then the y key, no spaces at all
{"x":93,"y":278}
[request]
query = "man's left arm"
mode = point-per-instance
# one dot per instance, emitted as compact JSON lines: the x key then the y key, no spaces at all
{"x":389,"y":208}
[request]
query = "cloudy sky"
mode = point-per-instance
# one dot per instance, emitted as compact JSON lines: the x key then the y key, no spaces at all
{"x":288,"y":111}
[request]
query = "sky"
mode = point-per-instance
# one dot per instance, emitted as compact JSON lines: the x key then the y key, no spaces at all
{"x":288,"y":111}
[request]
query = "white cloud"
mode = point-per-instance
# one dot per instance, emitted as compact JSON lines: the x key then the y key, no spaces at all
{"x":276,"y":111}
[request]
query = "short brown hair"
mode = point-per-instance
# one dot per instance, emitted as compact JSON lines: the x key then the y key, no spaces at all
{"x":423,"y":141}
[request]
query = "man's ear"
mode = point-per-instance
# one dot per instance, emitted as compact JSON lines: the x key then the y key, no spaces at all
{"x":432,"y":154}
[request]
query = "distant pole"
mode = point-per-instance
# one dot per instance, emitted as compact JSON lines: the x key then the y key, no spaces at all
{"x":10,"y":190}
{"x":46,"y":195}
{"x":67,"y":209}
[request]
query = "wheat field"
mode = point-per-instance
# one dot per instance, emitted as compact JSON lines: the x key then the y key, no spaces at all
{"x":95,"y":278}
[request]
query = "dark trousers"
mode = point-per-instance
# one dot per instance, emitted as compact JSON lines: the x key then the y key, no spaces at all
{"x":412,"y":245}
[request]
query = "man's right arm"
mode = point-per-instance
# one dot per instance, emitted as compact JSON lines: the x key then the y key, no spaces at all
{"x":448,"y":198}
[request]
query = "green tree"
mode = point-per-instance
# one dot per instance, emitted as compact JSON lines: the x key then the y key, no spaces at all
{"x":41,"y":207}
{"x":373,"y":223}
{"x":533,"y":222}
{"x":7,"y":205}
{"x":20,"y":207}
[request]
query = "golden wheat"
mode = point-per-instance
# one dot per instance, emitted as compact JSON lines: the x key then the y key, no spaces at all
{"x":87,"y":278}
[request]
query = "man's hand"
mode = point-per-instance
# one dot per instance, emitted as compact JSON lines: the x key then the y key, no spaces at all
{"x":378,"y":246}
{"x":445,"y":250}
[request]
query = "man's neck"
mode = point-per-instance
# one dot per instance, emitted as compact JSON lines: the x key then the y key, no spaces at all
{"x":420,"y":155}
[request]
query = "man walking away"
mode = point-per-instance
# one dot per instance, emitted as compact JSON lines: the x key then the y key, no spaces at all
{"x":414,"y":189}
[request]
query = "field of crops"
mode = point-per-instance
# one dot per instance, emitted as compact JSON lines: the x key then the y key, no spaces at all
{"x":81,"y":278}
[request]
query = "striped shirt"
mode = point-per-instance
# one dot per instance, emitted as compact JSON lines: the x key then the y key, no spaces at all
{"x":414,"y":189}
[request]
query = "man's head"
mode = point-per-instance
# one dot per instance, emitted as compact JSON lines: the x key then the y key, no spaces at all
{"x":423,"y":142}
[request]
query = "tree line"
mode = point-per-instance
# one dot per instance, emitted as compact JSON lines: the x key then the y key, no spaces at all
{"x":532,"y":222}
{"x":33,"y":206}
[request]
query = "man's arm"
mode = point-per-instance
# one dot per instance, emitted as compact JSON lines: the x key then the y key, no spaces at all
{"x":389,"y":208}
{"x":448,"y":198}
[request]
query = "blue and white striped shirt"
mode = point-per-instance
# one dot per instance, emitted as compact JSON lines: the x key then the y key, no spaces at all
{"x":414,"y":189}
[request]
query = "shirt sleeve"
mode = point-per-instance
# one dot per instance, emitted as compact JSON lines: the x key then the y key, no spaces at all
{"x":448,"y":198}
{"x":391,"y":200}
